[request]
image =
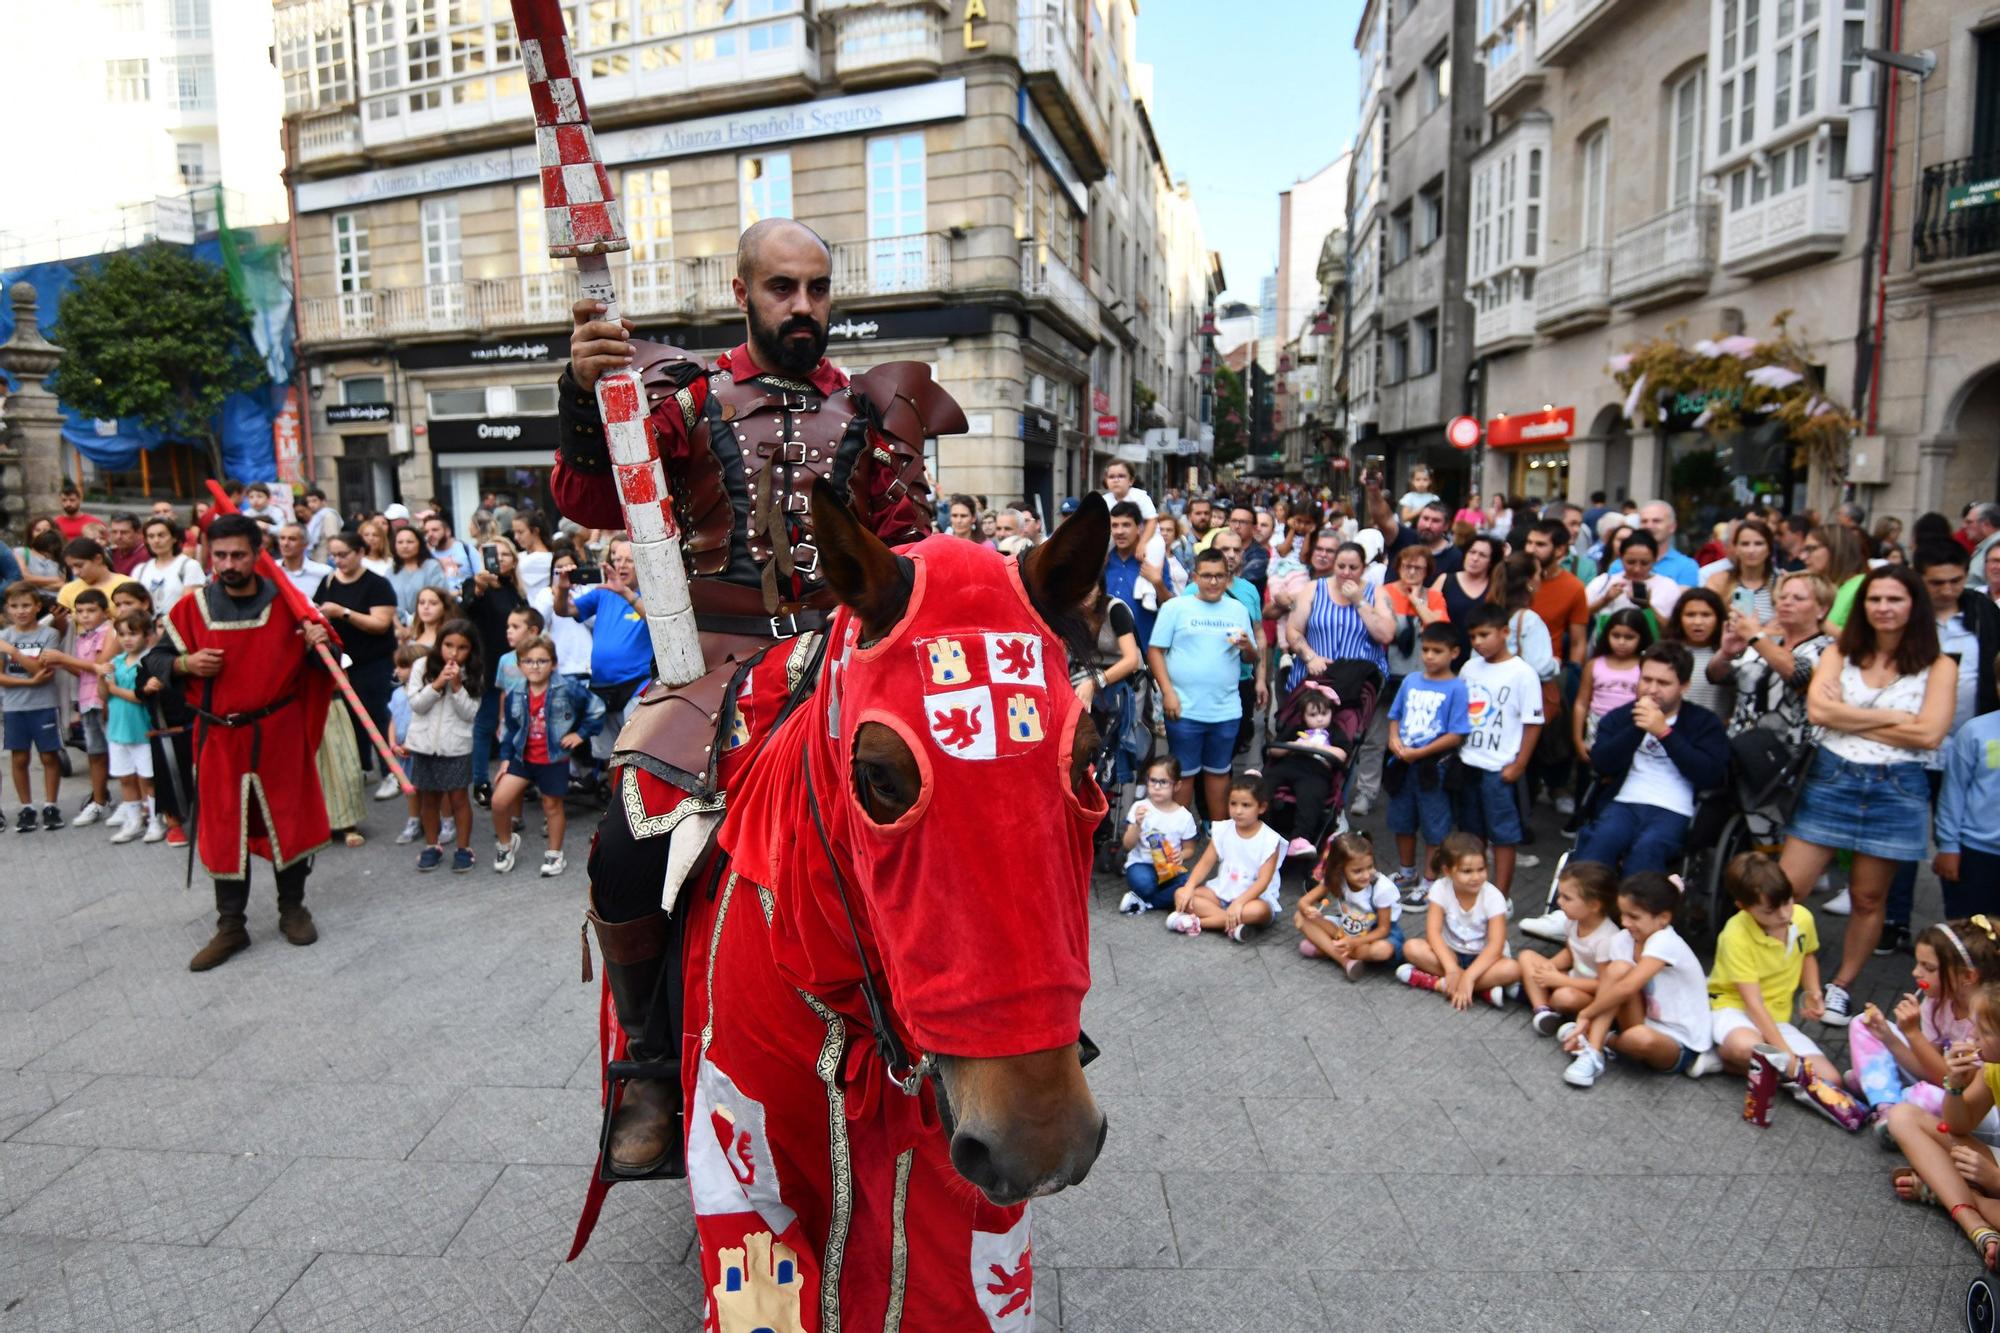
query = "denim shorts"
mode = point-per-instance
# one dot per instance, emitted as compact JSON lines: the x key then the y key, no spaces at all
{"x":1878,"y":810}
{"x":32,"y":729}
{"x":93,"y":731}
{"x":1413,"y":809}
{"x":1486,"y":807}
{"x":1202,"y":747}
{"x":551,"y":779}
{"x":1684,"y":1061}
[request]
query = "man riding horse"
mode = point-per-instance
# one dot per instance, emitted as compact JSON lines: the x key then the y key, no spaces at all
{"x":742,"y":441}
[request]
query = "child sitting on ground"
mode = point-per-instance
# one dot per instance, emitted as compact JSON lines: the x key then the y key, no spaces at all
{"x":1463,"y":953}
{"x":1315,"y":753}
{"x":1652,"y":990}
{"x":1587,"y":896}
{"x":1763,"y":957}
{"x":541,"y":721}
{"x":126,"y":723}
{"x":1951,"y":1162}
{"x":1361,"y":924}
{"x":1157,"y":834}
{"x":1244,"y":855}
{"x":1904,"y":1060}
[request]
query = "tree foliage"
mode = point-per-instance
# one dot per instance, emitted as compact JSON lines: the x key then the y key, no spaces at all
{"x":1232,"y":416}
{"x":156,"y":335}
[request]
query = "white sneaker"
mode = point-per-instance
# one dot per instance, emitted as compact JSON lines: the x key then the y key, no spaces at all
{"x":387,"y":787}
{"x":1565,"y":804}
{"x":1495,"y":997}
{"x":1132,"y":904}
{"x":1708,"y":1062}
{"x":1841,"y":904}
{"x":90,"y":814}
{"x":156,"y":830}
{"x":503,"y":854}
{"x":553,"y":864}
{"x":1552,"y":926}
{"x":1562,"y":1033}
{"x":1584,"y":1070}
{"x":447,"y":830}
{"x":1526,"y":860}
{"x":131,"y":827}
{"x":1235,"y":932}
{"x":1359,"y":807}
{"x":413,"y":828}
{"x":1184,"y":923}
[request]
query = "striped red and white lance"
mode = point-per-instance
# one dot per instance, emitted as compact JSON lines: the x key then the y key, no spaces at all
{"x":584,"y":224}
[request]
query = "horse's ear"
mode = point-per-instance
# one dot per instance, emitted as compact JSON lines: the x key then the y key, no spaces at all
{"x":860,"y":568}
{"x":1061,"y":571}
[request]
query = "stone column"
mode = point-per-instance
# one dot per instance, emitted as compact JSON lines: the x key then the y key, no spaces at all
{"x":1934,"y":457}
{"x":1586,"y":470}
{"x":31,"y":444}
{"x":1649,"y":453}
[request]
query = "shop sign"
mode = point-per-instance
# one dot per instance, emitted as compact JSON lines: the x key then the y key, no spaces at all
{"x":1532,"y":427}
{"x":1107,"y":427}
{"x":863,"y":113}
{"x":285,"y":440}
{"x":1973,"y":194}
{"x":525,"y":433}
{"x":529,"y":351}
{"x":975,"y":12}
{"x":355,"y":414}
{"x":1462,"y":432}
{"x":1039,"y":426}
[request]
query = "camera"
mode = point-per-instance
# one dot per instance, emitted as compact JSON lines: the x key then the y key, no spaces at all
{"x":586,"y":574}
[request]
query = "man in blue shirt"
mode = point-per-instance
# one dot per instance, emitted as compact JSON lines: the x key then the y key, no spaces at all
{"x":1199,"y":644}
{"x":1245,"y":592}
{"x":1657,"y":517}
{"x":621,"y":650}
{"x":1127,"y":577}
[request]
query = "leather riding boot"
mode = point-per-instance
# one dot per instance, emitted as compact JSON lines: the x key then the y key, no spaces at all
{"x":295,"y":923}
{"x":635,"y":960}
{"x":232,"y":896}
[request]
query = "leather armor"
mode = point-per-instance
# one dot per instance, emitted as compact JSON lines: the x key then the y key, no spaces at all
{"x":742,"y":497}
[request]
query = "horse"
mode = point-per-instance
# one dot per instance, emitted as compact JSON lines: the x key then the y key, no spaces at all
{"x":884,"y":973}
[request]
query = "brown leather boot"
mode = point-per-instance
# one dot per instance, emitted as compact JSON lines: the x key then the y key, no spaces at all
{"x":295,"y":923}
{"x":230,"y":938}
{"x":635,"y":959}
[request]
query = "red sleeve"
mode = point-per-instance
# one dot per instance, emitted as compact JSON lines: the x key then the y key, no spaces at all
{"x":591,"y":498}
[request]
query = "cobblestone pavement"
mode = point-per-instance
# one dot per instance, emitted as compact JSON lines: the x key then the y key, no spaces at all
{"x":392,"y":1129}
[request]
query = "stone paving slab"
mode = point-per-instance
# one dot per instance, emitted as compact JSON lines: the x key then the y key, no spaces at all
{"x":392,"y":1130}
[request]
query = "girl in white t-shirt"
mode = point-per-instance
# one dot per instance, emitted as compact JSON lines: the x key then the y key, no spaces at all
{"x":1243,"y":855}
{"x":1463,"y":953}
{"x":1157,"y":834}
{"x":1361,"y":922}
{"x":1652,"y":991}
{"x":1587,"y":896}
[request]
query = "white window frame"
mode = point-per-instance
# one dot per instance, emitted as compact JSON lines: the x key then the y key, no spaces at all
{"x":1684,"y":104}
{"x":1594,"y":189}
{"x":897,"y":222}
{"x":128,"y":81}
{"x":187,"y":20}
{"x":759,"y":197}
{"x":350,"y":252}
{"x":444,"y":260}
{"x":190,"y":82}
{"x":195,"y":154}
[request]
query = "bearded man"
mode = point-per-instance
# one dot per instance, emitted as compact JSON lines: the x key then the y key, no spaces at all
{"x":742,"y":442}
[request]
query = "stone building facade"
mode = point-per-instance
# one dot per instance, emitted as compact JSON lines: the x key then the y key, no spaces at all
{"x":982,"y":169}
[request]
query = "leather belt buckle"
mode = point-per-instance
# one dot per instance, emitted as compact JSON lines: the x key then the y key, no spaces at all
{"x":795,"y":451}
{"x":805,"y":558}
{"x":796,"y":402}
{"x":797,"y":502}
{"x":896,"y":490}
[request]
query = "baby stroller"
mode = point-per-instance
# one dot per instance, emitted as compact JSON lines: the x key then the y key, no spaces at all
{"x":1124,"y":748}
{"x":1292,"y":771}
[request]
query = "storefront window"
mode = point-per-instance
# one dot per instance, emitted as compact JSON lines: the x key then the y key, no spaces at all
{"x":1713,"y":480}
{"x":1542,"y":475}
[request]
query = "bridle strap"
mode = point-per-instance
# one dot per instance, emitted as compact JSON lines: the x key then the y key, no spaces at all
{"x":895,"y":1056}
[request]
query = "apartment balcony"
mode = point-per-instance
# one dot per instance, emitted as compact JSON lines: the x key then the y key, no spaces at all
{"x":888,"y":269}
{"x":1957,"y":227}
{"x":1505,"y":317}
{"x":329,"y":138}
{"x":1050,"y":285}
{"x":877,"y":46}
{"x":1513,"y":75}
{"x":1805,"y":223}
{"x":1667,"y":258}
{"x":1573,"y":292}
{"x":1054,"y":66}
{"x":1565,"y":28}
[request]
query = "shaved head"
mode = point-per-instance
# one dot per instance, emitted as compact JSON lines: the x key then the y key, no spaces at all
{"x":782,"y":238}
{"x":784,"y":285}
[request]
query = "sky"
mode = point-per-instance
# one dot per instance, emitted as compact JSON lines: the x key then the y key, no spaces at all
{"x":1248,"y":98}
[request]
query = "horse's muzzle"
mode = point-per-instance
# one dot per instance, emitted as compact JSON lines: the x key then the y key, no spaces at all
{"x":1020,"y":1126}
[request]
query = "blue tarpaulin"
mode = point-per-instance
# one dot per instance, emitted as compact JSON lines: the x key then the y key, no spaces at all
{"x":243,"y":425}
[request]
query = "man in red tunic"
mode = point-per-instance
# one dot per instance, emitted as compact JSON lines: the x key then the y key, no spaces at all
{"x":260,"y":699}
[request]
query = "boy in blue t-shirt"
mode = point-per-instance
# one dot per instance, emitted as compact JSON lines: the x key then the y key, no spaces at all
{"x":1198,"y":644}
{"x":1429,"y":720}
{"x":1968,"y":847}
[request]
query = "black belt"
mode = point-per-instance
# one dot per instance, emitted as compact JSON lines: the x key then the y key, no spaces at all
{"x":243,"y":719}
{"x":788,"y":626}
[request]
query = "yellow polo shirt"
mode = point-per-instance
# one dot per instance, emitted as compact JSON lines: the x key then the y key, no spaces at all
{"x":1745,"y":953}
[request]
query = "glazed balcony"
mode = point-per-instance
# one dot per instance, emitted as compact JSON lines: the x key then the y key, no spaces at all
{"x":1504,"y":318}
{"x":1796,"y":226}
{"x":877,"y":46}
{"x":1054,"y":67}
{"x":329,"y":138}
{"x":1573,"y":292}
{"x":1049,"y":284}
{"x":1566,"y":27}
{"x":1665,"y":258}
